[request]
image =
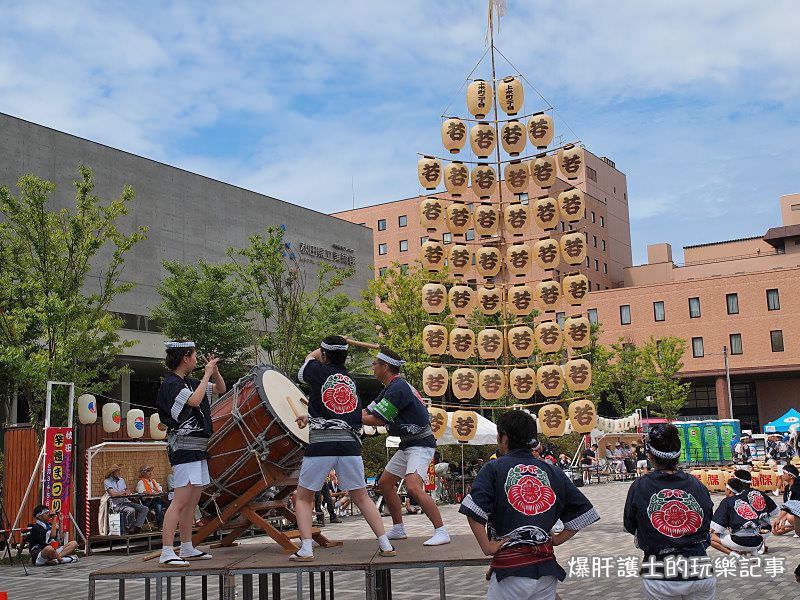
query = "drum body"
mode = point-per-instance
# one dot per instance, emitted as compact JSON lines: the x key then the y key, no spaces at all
{"x":254,"y":425}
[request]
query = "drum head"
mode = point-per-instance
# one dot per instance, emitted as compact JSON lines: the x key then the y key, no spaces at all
{"x":286,"y":401}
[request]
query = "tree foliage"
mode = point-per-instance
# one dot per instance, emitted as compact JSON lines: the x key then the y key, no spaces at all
{"x":664,"y":361}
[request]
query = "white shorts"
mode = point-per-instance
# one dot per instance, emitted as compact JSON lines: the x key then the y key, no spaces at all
{"x":700,"y":589}
{"x":414,"y":459}
{"x":349,"y":471}
{"x":522,"y":588}
{"x":641,"y":464}
{"x":192,"y":473}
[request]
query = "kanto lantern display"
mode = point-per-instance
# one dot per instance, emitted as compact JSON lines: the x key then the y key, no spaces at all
{"x":462,"y":343}
{"x":438,"y":420}
{"x":460,"y":259}
{"x":545,"y":213}
{"x":433,"y":255}
{"x":454,"y":134}
{"x":573,"y":248}
{"x":434,"y":382}
{"x":490,"y":343}
{"x":515,"y":219}
{"x":518,"y":259}
{"x":487,"y":220}
{"x":583,"y":416}
{"x":548,"y":336}
{"x":158,"y":431}
{"x":540,"y":130}
{"x":572,"y":205}
{"x":510,"y":95}
{"x":464,"y":425}
{"x":571,"y":162}
{"x":575,"y":288}
{"x":543,"y":171}
{"x":429,"y":171}
{"x":462,"y":300}
{"x":434,"y":339}
{"x":516,"y":176}
{"x":484,"y":181}
{"x":488,"y":261}
{"x":456,"y":178}
{"x":464,"y":383}
{"x":479,"y":98}
{"x":135,"y":423}
{"x":434,"y":298}
{"x":459,"y":218}
{"x":521,"y":341}
{"x":551,"y":420}
{"x":550,"y":379}
{"x":548,"y":294}
{"x":578,"y":372}
{"x":112,"y":419}
{"x":520,"y":300}
{"x":87,"y":409}
{"x":576,"y":332}
{"x":431,"y":214}
{"x":490,"y":300}
{"x":522,"y":381}
{"x":482,"y":139}
{"x":491,"y":384}
{"x":512,"y":136}
{"x":546,"y":253}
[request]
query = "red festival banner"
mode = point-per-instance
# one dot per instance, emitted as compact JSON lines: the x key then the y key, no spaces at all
{"x":57,"y":472}
{"x":430,"y":483}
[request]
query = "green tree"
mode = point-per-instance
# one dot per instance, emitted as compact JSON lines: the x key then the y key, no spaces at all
{"x":204,"y":303}
{"x":622,"y":376}
{"x":54,"y":318}
{"x":664,"y":361}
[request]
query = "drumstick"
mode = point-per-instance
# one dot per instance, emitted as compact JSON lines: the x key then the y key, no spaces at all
{"x":289,"y":400}
{"x":358,"y":344}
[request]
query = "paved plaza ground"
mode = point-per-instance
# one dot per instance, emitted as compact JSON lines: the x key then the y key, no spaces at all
{"x":606,"y":541}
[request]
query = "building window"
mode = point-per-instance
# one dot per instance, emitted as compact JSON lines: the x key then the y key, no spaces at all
{"x":658,"y":311}
{"x":423,"y":239}
{"x":773,"y":300}
{"x":596,"y":265}
{"x":591,"y":173}
{"x":694,"y":308}
{"x":594,"y":241}
{"x":603,"y":243}
{"x":402,"y":221}
{"x":404,"y":269}
{"x":382,"y":271}
{"x":381,"y":224}
{"x":625,"y":314}
{"x":447,"y":238}
{"x":593,"y":217}
{"x":470,"y":235}
{"x":697,"y":347}
{"x":588,"y":261}
{"x":736,"y":343}
{"x":602,"y":221}
{"x":776,"y":338}
{"x":403,"y":245}
{"x":733,"y":303}
{"x":592,"y":314}
{"x":382,"y":249}
{"x":560,"y":318}
{"x":605,"y":268}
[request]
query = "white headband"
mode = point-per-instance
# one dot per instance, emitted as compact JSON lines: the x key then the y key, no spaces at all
{"x":731,"y":489}
{"x":664,"y":455}
{"x":41,"y":512}
{"x":333,"y":347}
{"x":171,"y":345}
{"x":392,"y":361}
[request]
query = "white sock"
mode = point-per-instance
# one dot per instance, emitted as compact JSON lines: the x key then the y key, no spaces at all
{"x":441,"y":529}
{"x":168,"y":552}
{"x":187,"y":547}
{"x":399,"y":528}
{"x":305,"y":548}
{"x":384,"y":542}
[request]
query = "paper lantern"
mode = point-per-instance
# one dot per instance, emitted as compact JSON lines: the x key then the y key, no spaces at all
{"x":491,"y":384}
{"x":576,"y":332}
{"x":459,"y":218}
{"x":434,"y":339}
{"x":543,"y":171}
{"x":573,"y":248}
{"x":546,"y":253}
{"x":434,"y":297}
{"x":135,"y":423}
{"x":479,"y":98}
{"x":637,"y":419}
{"x":700,"y":474}
{"x":87,"y":409}
{"x":510,"y":95}
{"x":548,"y":336}
{"x":518,"y":259}
{"x":490,"y":300}
{"x":456,"y":178}
{"x":429,"y":172}
{"x":464,"y":383}
{"x":462,"y":343}
{"x":433,"y":254}
{"x":438,"y":420}
{"x":548,"y":295}
{"x":464,"y":425}
{"x":484,"y":181}
{"x":516,"y":176}
{"x":521,"y":341}
{"x":487,"y":220}
{"x":583,"y":416}
{"x":431,"y":214}
{"x":550,"y":379}
{"x":552,"y":420}
{"x":545,"y":213}
{"x":571,"y":162}
{"x":568,"y":428}
{"x":522,"y":382}
{"x":490,"y":343}
{"x":512,"y":136}
{"x":488,"y":261}
{"x":482,"y":139}
{"x":715,"y":480}
{"x":460,"y":259}
{"x":158,"y":431}
{"x":520,"y":300}
{"x":540,"y":130}
{"x":575,"y":288}
{"x":578,"y":372}
{"x":515,"y":219}
{"x":434,"y":382}
{"x":461,"y":299}
{"x":572,"y":205}
{"x":112,"y":420}
{"x":454,"y":134}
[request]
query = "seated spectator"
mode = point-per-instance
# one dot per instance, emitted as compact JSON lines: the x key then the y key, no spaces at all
{"x":412,"y":508}
{"x":563,"y":461}
{"x":135,"y":514}
{"x":149,"y":486}
{"x":340,"y":497}
{"x":43,"y":538}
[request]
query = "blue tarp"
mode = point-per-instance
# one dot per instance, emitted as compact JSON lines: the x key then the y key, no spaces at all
{"x":792,"y":417}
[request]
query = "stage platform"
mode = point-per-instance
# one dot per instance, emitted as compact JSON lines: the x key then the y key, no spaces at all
{"x":234,"y":570}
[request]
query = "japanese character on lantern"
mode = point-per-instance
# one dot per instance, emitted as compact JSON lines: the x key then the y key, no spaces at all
{"x":490,"y":343}
{"x":579,"y":374}
{"x":583,"y":416}
{"x":552,"y":420}
{"x":431,"y":213}
{"x":570,"y":161}
{"x":513,"y":137}
{"x":432,"y":255}
{"x":520,"y":341}
{"x":434,"y":380}
{"x":434,"y":339}
{"x":458,"y":218}
{"x":482,"y":140}
{"x":540,"y":130}
{"x":464,"y":425}
{"x":546,"y":253}
{"x":518,"y":257}
{"x":461,"y":299}
{"x":549,"y":293}
{"x":545,"y":213}
{"x":454,"y":134}
{"x":516,"y":174}
{"x":429,"y":171}
{"x":484,"y":180}
{"x":487,"y":220}
{"x":491,"y":383}
{"x":489,"y":300}
{"x":577,"y":330}
{"x":551,"y":380}
{"x":516,"y":217}
{"x":572,"y":205}
{"x":573,"y":247}
{"x":520,"y":300}
{"x":465,"y":383}
{"x":460,"y":257}
{"x":456,"y":177}
{"x":548,"y":335}
{"x":543,"y":171}
{"x":433,"y":297}
{"x":523,"y":383}
{"x":438,"y":421}
{"x":462,"y":343}
{"x":488,"y":261}
{"x":575,"y":288}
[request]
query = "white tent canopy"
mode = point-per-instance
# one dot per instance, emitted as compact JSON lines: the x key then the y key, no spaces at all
{"x":485,"y":436}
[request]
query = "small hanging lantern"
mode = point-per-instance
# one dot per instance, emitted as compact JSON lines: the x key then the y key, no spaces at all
{"x":572,"y":205}
{"x":510,"y":95}
{"x":521,"y":341}
{"x":462,"y":343}
{"x":484,"y":181}
{"x":490,"y":299}
{"x":434,"y":382}
{"x":516,"y":175}
{"x":575,"y":288}
{"x":583,"y":416}
{"x":433,"y":254}
{"x":479,"y":98}
{"x":460,"y":259}
{"x":438,"y":418}
{"x":520,"y":300}
{"x":112,"y":420}
{"x":456,"y":178}
{"x":552,"y":420}
{"x":464,"y":383}
{"x":461,"y":299}
{"x":135,"y":423}
{"x":546,"y":253}
{"x":431,"y":214}
{"x":522,"y":382}
{"x":550,"y":379}
{"x":512,"y":135}
{"x":548,"y":336}
{"x":543,"y":171}
{"x":518,"y":259}
{"x":434,"y":298}
{"x":487,"y":220}
{"x":429,"y":171}
{"x":548,"y":293}
{"x":454,"y":134}
{"x":515,"y":219}
{"x":459,"y":218}
{"x":540,"y":130}
{"x":571,"y":162}
{"x":482,"y":139}
{"x":545,"y":213}
{"x":434,"y":339}
{"x":465,"y":425}
{"x":490,"y":343}
{"x":578,"y":372}
{"x":492,"y":384}
{"x":573,"y":248}
{"x":158,"y":431}
{"x":576,"y":332}
{"x":87,"y":409}
{"x":488,"y":261}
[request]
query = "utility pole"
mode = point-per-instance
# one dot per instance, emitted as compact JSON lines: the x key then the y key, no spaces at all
{"x":728,"y":381}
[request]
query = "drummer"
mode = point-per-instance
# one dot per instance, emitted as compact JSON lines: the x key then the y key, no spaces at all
{"x":184,"y":406}
{"x":334,"y":417}
{"x":400,"y":405}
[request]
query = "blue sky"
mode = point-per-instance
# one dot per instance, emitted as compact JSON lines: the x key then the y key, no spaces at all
{"x":697,"y":102}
